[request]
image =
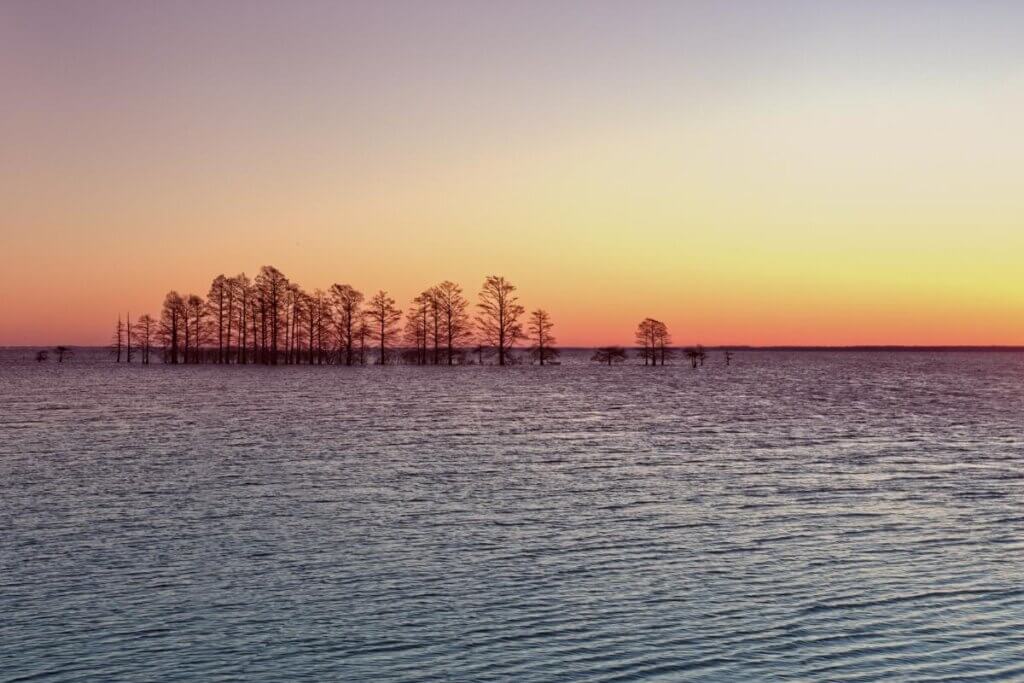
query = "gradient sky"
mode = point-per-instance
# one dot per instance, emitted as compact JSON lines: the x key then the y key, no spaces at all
{"x":750,"y":172}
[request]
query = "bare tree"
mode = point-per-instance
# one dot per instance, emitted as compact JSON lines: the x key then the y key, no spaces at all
{"x":609,"y":355}
{"x":241,"y":289}
{"x":417,"y":327}
{"x":347,"y":302}
{"x":363,"y":332}
{"x":171,"y":317}
{"x":646,"y":339}
{"x":383,"y":319}
{"x":216,"y":301}
{"x":143,"y":331}
{"x":455,"y":327}
{"x":196,"y":322}
{"x":272,"y":286}
{"x":499,"y":315}
{"x":654,"y":340}
{"x":118,"y":341}
{"x":663,"y":343}
{"x":540,"y":327}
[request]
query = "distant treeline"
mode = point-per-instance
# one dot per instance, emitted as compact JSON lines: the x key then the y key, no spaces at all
{"x":271,"y":320}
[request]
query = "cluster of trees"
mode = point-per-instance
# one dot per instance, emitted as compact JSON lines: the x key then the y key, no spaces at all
{"x":271,"y":320}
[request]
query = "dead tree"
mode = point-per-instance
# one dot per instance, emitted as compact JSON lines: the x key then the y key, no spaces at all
{"x":499,"y":315}
{"x":455,"y":326}
{"x":117,"y":345}
{"x":417,"y":327}
{"x":347,"y":314}
{"x":540,"y":326}
{"x":143,"y":332}
{"x":216,"y":301}
{"x":171,"y":325}
{"x":383,"y":318}
{"x":273,"y":286}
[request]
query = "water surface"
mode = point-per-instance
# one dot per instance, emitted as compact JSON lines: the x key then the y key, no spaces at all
{"x":797,"y":516}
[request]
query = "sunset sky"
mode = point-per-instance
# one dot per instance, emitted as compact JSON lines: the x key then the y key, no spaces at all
{"x":750,"y":172}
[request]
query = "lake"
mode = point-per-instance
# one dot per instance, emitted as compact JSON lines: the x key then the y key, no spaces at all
{"x":804,"y":516}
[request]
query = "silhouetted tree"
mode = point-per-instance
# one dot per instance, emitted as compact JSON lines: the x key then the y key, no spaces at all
{"x":128,"y":337}
{"x":654,"y":341}
{"x":693,"y":355}
{"x":241,"y":293}
{"x":609,"y":355}
{"x":417,"y":326}
{"x":171,"y":317}
{"x":540,"y":327}
{"x":272,"y":285}
{"x":663,"y":341}
{"x":647,"y":339}
{"x":499,"y":315}
{"x":450,"y":308}
{"x":347,"y":315}
{"x":63,"y":352}
{"x":196,"y":324}
{"x":363,"y":332}
{"x":383,"y":320}
{"x":143,"y":331}
{"x":118,"y":340}
{"x":216,"y":301}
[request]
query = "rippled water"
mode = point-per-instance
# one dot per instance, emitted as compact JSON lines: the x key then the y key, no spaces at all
{"x":803,"y":516}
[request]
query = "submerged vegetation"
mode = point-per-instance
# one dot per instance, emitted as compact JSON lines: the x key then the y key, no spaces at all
{"x":270,"y":320}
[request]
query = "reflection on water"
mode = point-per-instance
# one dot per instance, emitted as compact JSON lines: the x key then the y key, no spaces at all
{"x":792,"y":517}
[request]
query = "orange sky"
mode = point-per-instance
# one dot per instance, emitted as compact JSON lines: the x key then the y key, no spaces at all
{"x":788,"y":176}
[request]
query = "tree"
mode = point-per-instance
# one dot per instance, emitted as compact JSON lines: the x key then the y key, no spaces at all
{"x":663,"y":341}
{"x":417,"y":326}
{"x":383,"y":318}
{"x":272,"y":286}
{"x":143,"y":332}
{"x":693,"y":354}
{"x":217,"y":300}
{"x":653,"y":339}
{"x":347,"y":314}
{"x":241,"y":289}
{"x":609,"y":355}
{"x":128,"y":337}
{"x":118,"y":343}
{"x":171,"y":324}
{"x":450,"y":308}
{"x":196,"y":322}
{"x":540,"y":327}
{"x":499,"y":315}
{"x":63,"y":352}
